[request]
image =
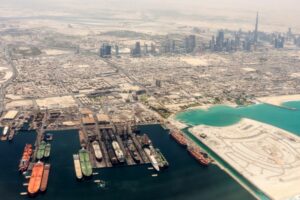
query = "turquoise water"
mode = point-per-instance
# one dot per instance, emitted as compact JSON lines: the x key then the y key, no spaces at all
{"x":225,"y":116}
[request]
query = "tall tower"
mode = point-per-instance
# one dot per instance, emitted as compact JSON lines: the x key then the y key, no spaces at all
{"x":256,"y":29}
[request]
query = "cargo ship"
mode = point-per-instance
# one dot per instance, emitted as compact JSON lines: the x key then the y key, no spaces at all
{"x":179,"y":138}
{"x":24,"y":162}
{"x":97,"y":150}
{"x":163,"y":163}
{"x":119,"y":153}
{"x":152,"y":159}
{"x":35,"y":178}
{"x":77,"y":167}
{"x":133,"y":151}
{"x":41,"y":150}
{"x":199,"y":156}
{"x":44,"y":182}
{"x":47,"y":150}
{"x":112,"y":156}
{"x":85,"y":163}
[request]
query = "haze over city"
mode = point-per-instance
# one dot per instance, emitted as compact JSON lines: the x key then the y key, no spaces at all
{"x":149,"y":99}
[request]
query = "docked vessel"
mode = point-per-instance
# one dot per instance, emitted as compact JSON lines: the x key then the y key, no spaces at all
{"x":47,"y":150}
{"x":41,"y":150}
{"x":49,"y":137}
{"x":145,"y":140}
{"x":163,"y":163}
{"x":119,"y":153}
{"x":11,"y":135}
{"x":199,"y":156}
{"x":44,"y":182}
{"x":85,"y":163}
{"x":5,"y":131}
{"x":35,"y":178}
{"x":24,"y":162}
{"x":77,"y":167}
{"x":152,"y":159}
{"x":179,"y":138}
{"x":133,"y":151}
{"x":97,"y":150}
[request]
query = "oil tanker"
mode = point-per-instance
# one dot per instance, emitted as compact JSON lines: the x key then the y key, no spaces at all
{"x":44,"y":182}
{"x":119,"y":153}
{"x":35,"y":178}
{"x":85,"y":163}
{"x":97,"y":150}
{"x":77,"y":166}
{"x":41,"y":150}
{"x":24,"y":162}
{"x":199,"y":156}
{"x":179,"y":138}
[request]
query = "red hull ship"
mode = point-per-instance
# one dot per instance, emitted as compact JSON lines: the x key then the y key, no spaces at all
{"x":24,"y":162}
{"x":179,"y":138}
{"x":199,"y":156}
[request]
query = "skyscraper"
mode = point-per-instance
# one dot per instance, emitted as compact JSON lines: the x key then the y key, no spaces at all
{"x":256,"y":29}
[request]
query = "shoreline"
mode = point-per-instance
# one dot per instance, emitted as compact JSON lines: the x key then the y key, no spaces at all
{"x":233,"y":145}
{"x":279,"y":100}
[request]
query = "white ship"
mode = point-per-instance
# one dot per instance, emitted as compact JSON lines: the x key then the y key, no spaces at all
{"x":152,"y":159}
{"x":5,"y":130}
{"x":119,"y":153}
{"x":97,"y":150}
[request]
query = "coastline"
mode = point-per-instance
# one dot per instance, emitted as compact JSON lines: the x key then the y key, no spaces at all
{"x":279,"y":100}
{"x":271,"y":166}
{"x":272,"y":100}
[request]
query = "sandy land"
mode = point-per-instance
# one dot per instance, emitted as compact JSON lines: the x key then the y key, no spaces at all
{"x":208,"y":106}
{"x":55,"y":52}
{"x":19,"y":104}
{"x":278,"y":100}
{"x":175,"y":122}
{"x":56,"y":102}
{"x":265,"y":155}
{"x":249,"y":69}
{"x":195,"y":61}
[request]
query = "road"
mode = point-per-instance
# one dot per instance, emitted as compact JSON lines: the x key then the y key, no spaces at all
{"x":9,"y":81}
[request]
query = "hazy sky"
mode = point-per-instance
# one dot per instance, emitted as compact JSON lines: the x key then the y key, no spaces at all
{"x":283,"y":5}
{"x":282,"y":12}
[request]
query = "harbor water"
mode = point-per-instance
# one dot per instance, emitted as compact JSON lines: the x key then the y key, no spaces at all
{"x":185,"y":179}
{"x":281,"y":117}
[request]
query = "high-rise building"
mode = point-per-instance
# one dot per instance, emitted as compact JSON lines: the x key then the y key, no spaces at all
{"x":153,"y":49}
{"x":190,"y":43}
{"x":117,"y":50}
{"x":279,"y":42}
{"x":136,"y":51}
{"x":105,"y":51}
{"x":256,"y":30}
{"x":220,"y":41}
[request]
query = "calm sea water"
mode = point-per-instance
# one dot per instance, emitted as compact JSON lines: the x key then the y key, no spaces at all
{"x":184,"y":180}
{"x":224,"y":116}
